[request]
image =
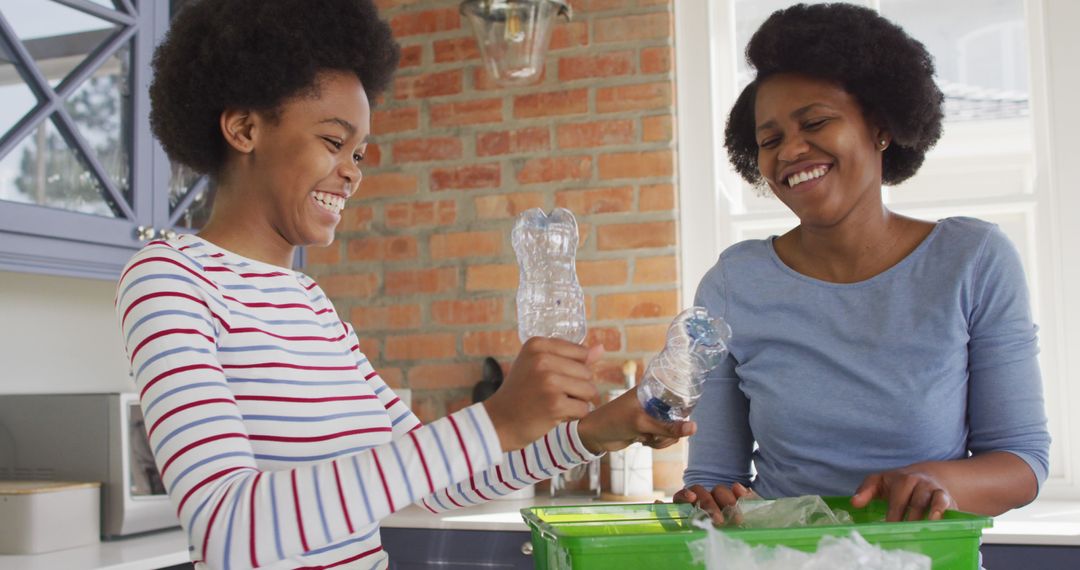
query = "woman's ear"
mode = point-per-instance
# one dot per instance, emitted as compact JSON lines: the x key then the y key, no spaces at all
{"x":882,"y":139}
{"x":238,"y":129}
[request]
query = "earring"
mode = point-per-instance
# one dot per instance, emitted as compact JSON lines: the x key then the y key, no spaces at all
{"x":884,"y":143}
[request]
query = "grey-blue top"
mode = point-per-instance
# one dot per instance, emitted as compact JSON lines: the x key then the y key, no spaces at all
{"x":933,"y":359}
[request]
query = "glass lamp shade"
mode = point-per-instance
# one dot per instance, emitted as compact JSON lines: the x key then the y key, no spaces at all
{"x":513,"y":35}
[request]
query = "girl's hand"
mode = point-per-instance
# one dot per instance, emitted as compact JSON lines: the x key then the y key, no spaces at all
{"x":622,"y":421}
{"x":913,"y":493}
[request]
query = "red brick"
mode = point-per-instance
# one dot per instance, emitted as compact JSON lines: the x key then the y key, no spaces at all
{"x":546,"y":169}
{"x":530,"y":139}
{"x":392,"y":376}
{"x":638,"y":305}
{"x":506,"y":205}
{"x":491,"y":277}
{"x":382,"y":248}
{"x":555,"y":103}
{"x":608,"y":337}
{"x":656,"y":197}
{"x":413,"y":214}
{"x":383,"y":318}
{"x":637,"y":164}
{"x":395,"y":120}
{"x":427,"y":22}
{"x":411,"y":56}
{"x":350,"y":285}
{"x":435,"y":148}
{"x":370,"y":347}
{"x":428,"y":85}
{"x":466,"y":177}
{"x":646,"y":338}
{"x":451,"y":375}
{"x":428,"y":406}
{"x":596,"y":201}
{"x":656,"y":59}
{"x":372,"y":156}
{"x":330,"y":255}
{"x":421,"y":346}
{"x":637,"y":97}
{"x":657,"y":129}
{"x":594,"y":134}
{"x":456,"y":404}
{"x":421,"y":281}
{"x":466,"y":244}
{"x":602,"y":272}
{"x":473,"y":312}
{"x":635,"y":236}
{"x":356,"y":218}
{"x":612,"y":64}
{"x":456,"y":49}
{"x":568,"y":35}
{"x":629,"y":28}
{"x":466,"y":113}
{"x":492,"y":343}
{"x":387,"y":184}
{"x":656,"y":270}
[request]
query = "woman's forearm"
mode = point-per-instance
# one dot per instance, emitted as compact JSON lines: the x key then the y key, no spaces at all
{"x":987,"y":484}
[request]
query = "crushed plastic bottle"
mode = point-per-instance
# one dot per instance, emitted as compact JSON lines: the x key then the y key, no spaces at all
{"x":696,"y":344}
{"x":550,"y":302}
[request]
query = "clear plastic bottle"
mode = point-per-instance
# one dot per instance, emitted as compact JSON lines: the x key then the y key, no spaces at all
{"x":550,"y":302}
{"x":696,"y":344}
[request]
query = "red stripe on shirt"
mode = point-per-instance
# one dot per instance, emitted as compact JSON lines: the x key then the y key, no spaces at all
{"x":382,"y":479}
{"x":191,"y":446}
{"x":288,"y":365}
{"x":240,"y":330}
{"x":341,"y":497}
{"x":168,"y":373}
{"x":167,"y":260}
{"x":306,"y":400}
{"x":370,"y":375}
{"x":329,"y":436}
{"x":423,"y":461}
{"x":391,"y":403}
{"x":299,"y":519}
{"x":472,"y":483}
{"x":168,"y":332}
{"x":186,"y":406}
{"x":547,"y":443}
{"x":451,"y":499}
{"x":199,"y":485}
{"x":572,"y":446}
{"x":525,"y":460}
{"x":498,"y":473}
{"x":461,"y":442}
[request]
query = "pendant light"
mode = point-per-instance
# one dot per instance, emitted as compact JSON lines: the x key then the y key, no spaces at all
{"x":513,"y":36}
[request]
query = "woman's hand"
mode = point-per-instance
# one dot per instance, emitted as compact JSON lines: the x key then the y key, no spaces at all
{"x":715,"y":501}
{"x":622,"y":421}
{"x":549,"y":382}
{"x":913,"y":493}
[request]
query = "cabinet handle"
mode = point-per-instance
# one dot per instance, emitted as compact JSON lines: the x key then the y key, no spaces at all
{"x":166,"y":234}
{"x":144,"y":233}
{"x":527,"y":548}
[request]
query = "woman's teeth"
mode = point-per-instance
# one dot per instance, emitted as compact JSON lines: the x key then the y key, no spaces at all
{"x":799,"y":178}
{"x":331,"y":202}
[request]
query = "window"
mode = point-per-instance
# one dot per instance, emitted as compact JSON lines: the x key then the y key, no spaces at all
{"x":1005,"y":68}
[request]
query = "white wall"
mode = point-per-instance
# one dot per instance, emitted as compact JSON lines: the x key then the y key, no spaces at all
{"x":59,"y":335}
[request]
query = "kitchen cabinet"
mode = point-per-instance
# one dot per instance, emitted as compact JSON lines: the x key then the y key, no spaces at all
{"x":83,"y":183}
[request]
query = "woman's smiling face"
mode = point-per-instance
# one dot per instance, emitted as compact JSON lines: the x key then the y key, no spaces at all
{"x":816,"y":150}
{"x":307,"y":158}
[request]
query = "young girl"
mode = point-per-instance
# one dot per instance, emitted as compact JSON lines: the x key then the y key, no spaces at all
{"x":278,"y":442}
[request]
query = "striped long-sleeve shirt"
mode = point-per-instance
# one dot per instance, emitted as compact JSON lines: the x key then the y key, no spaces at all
{"x":278,"y":443}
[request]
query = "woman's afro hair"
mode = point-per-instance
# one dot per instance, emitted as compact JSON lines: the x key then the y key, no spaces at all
{"x":256,"y":54}
{"x":888,"y":72}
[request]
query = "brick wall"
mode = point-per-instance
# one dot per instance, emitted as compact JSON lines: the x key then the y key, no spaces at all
{"x":423,"y":264}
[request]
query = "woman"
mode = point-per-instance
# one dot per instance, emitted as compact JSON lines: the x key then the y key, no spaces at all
{"x":278,"y":442}
{"x":875,"y":355}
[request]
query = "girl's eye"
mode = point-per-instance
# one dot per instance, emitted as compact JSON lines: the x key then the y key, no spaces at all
{"x":768,"y":143}
{"x":815,"y":124}
{"x":358,"y":157}
{"x":334,"y":143}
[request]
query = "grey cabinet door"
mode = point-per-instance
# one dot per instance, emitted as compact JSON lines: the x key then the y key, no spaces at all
{"x":83,"y":183}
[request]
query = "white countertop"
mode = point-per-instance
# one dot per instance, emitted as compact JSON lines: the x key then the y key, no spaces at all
{"x":1055,"y":523}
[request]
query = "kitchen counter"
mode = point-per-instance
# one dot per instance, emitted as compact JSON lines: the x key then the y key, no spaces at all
{"x":1046,"y":523}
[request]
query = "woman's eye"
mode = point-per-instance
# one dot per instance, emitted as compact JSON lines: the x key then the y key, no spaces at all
{"x":768,"y":143}
{"x":815,"y":124}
